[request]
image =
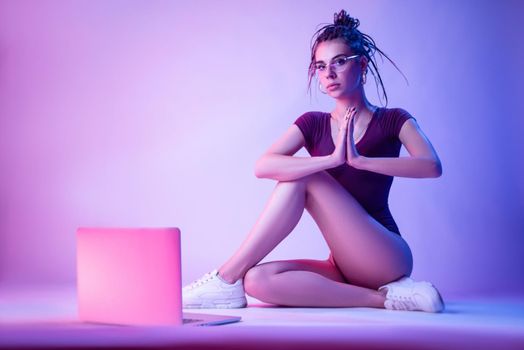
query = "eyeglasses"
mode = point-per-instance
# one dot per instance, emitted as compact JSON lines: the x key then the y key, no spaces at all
{"x":338,"y":65}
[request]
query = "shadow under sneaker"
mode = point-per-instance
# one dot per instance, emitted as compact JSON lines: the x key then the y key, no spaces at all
{"x":211,"y":292}
{"x":407,"y":294}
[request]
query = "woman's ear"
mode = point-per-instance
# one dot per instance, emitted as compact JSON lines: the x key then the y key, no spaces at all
{"x":364,"y":69}
{"x":364,"y":63}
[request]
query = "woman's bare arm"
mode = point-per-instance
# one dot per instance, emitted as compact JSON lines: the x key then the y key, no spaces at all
{"x":278,"y":162}
{"x":423,"y":160}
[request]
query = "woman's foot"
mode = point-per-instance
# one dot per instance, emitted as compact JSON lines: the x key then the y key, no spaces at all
{"x":407,"y":294}
{"x":212,"y":292}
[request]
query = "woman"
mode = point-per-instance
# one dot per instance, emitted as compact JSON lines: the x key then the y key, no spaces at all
{"x":344,"y":185}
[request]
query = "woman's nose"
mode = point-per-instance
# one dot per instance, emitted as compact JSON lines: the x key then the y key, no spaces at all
{"x":330,"y":72}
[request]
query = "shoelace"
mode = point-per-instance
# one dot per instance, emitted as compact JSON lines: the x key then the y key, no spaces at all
{"x":208,"y":276}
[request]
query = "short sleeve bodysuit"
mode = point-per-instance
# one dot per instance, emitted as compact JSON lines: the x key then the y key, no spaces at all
{"x":380,"y":139}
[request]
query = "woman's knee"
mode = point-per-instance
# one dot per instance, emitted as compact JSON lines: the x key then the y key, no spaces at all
{"x":296,"y":183}
{"x":306,"y":182}
{"x":314,"y":177}
{"x":256,"y":280}
{"x":321,"y":179}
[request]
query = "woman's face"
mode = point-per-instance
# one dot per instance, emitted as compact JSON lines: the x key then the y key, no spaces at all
{"x":338,"y":75}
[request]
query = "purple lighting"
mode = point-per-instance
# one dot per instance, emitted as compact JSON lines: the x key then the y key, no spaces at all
{"x":153,"y":114}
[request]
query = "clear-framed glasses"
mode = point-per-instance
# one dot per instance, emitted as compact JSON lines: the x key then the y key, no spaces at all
{"x":338,"y":65}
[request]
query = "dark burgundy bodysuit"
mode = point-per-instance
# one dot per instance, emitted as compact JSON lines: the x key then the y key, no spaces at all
{"x":380,"y":139}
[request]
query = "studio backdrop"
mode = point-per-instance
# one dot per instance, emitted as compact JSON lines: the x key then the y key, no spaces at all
{"x":153,"y":113}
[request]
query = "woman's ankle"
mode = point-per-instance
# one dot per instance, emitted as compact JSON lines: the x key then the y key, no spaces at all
{"x":226,"y":278}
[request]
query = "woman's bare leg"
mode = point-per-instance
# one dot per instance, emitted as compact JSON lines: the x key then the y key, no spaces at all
{"x":310,"y":283}
{"x":280,"y":215}
{"x":367,"y":254}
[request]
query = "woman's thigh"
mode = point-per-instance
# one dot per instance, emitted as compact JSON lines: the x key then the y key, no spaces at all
{"x":366,"y":253}
{"x":260,"y":273}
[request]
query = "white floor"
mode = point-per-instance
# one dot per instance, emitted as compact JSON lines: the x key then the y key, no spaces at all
{"x":47,"y":317}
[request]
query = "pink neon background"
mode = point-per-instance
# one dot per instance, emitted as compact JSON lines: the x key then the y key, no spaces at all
{"x":153,"y":113}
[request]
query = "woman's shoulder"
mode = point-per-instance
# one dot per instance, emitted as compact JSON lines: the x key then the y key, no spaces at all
{"x":312,"y":123}
{"x":392,"y":119}
{"x":311,"y":117}
{"x":394,"y":112}
{"x":313,"y":114}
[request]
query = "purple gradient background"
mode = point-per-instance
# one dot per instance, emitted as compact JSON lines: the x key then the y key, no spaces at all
{"x":153,"y":113}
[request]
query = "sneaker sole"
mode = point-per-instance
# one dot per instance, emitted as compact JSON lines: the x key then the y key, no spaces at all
{"x":431,"y":298}
{"x":217,"y":304}
{"x":436,"y":304}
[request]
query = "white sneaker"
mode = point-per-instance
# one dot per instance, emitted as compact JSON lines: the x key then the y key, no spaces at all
{"x":407,"y":294}
{"x":211,"y":292}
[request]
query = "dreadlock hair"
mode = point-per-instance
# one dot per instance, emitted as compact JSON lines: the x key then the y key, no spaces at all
{"x":345,"y":27}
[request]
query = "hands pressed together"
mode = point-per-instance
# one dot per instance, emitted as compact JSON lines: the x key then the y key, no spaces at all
{"x":345,"y":148}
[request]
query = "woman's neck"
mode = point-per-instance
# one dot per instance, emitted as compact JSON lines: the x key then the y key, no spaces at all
{"x":364,"y":108}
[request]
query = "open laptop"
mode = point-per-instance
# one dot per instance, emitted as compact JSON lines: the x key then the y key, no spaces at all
{"x":132,"y":276}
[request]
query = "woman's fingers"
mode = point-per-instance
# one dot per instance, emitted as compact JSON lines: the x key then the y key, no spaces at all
{"x":350,"y":112}
{"x":352,"y":121}
{"x":351,"y":128}
{"x":341,"y":144}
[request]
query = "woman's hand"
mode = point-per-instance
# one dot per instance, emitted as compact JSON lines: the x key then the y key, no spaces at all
{"x":352,"y":155}
{"x":339,"y":154}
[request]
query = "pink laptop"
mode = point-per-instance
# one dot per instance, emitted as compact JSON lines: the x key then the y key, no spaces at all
{"x":132,"y":276}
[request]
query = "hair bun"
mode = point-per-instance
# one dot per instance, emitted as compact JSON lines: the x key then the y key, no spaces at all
{"x":344,"y":19}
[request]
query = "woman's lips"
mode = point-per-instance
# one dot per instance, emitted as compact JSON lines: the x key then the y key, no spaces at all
{"x":331,"y":87}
